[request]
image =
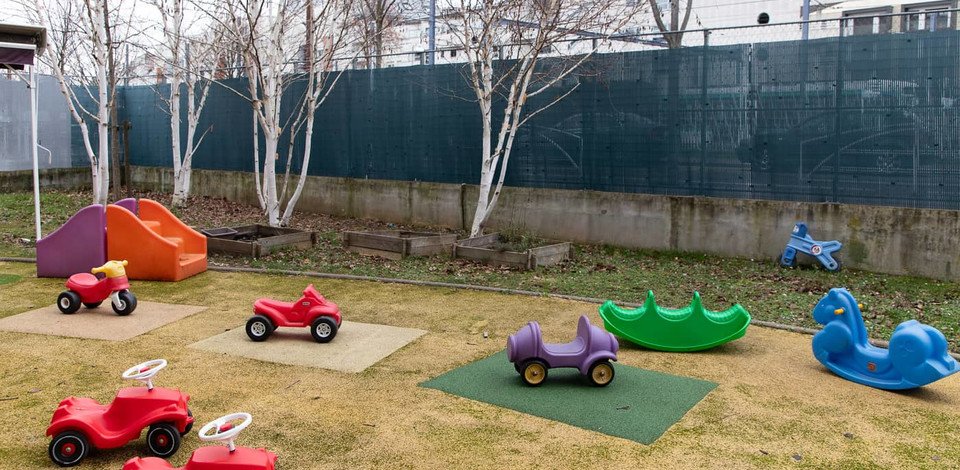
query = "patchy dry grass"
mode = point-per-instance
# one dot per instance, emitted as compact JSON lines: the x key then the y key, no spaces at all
{"x":775,"y":406}
{"x":607,"y":272}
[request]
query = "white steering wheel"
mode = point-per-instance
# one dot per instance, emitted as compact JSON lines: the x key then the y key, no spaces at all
{"x":224,"y":428}
{"x":145,"y":371}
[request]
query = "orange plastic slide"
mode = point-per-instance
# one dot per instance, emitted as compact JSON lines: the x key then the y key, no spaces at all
{"x":158,"y":246}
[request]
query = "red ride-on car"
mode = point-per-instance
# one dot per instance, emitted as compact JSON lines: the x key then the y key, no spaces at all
{"x":230,"y":457}
{"x":91,"y":291}
{"x":320,"y":314}
{"x":81,"y":424}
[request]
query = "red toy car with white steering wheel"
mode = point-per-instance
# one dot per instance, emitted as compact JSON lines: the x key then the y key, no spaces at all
{"x":81,"y":424}
{"x":231,"y":457}
{"x":91,"y":291}
{"x":313,"y":310}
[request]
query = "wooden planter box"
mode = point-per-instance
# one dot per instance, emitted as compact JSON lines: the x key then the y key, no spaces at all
{"x":481,"y":249}
{"x":396,"y":244}
{"x":256,"y":240}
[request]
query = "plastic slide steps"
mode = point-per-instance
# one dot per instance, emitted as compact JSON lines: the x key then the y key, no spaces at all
{"x":76,"y":247}
{"x":158,"y":246}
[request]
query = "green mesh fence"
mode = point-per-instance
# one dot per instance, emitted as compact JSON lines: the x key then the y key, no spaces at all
{"x":861,"y":119}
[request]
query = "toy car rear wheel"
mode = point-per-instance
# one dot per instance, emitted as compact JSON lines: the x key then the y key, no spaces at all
{"x":68,"y":302}
{"x":126,"y":305}
{"x":163,"y":440}
{"x":68,"y":448}
{"x":601,"y":373}
{"x":259,"y":328}
{"x":92,"y":304}
{"x":323,"y":329}
{"x":533,"y":372}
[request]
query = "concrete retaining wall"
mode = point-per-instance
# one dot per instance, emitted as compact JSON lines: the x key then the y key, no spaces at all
{"x":883,"y":239}
{"x":59,"y":178}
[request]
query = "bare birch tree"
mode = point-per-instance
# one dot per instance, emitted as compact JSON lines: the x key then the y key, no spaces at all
{"x":192,"y":63}
{"x":78,"y":41}
{"x":673,"y":33}
{"x":269,"y":33}
{"x":505,"y":42}
{"x":374,"y":18}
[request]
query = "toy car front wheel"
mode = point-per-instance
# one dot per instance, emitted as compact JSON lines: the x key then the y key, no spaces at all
{"x":163,"y":440}
{"x":601,"y":373}
{"x":68,"y":448}
{"x":187,"y":429}
{"x":791,"y":264}
{"x":533,"y":372}
{"x":259,"y":328}
{"x":125,"y":304}
{"x":68,"y":302}
{"x":323,"y":329}
{"x":92,"y":304}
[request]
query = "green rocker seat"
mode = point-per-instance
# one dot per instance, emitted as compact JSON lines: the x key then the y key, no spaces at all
{"x":692,"y":328}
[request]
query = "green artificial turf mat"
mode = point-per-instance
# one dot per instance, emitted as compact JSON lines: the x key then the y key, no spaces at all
{"x":639,"y":405}
{"x":8,"y":278}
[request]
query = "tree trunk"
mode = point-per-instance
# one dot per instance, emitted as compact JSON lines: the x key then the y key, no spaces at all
{"x":486,"y":176}
{"x":270,"y":141}
{"x":102,"y":192}
{"x":178,"y":197}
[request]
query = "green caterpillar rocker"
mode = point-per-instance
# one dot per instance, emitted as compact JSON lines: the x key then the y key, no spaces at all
{"x":692,"y":328}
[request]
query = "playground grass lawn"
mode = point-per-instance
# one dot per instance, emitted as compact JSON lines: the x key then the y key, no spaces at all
{"x":774,"y":406}
{"x":766,"y":290}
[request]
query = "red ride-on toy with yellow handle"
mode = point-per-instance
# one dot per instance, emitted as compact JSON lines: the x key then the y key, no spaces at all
{"x":89,"y":290}
{"x":312,"y":310}
{"x":230,"y":457}
{"x":81,"y":424}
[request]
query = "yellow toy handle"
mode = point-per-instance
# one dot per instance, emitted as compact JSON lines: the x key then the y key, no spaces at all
{"x":112,"y":269}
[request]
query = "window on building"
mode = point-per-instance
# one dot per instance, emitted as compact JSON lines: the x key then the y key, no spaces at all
{"x":928,"y":17}
{"x":453,"y":53}
{"x":867,"y":22}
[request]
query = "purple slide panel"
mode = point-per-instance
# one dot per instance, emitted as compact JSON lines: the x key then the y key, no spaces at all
{"x":76,"y":247}
{"x":129,"y":204}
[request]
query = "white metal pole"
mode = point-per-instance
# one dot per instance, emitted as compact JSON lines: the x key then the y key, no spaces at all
{"x":34,"y":141}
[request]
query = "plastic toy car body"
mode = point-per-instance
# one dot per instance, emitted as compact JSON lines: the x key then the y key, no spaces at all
{"x":312,"y":310}
{"x":80,"y":424}
{"x":917,"y":354}
{"x":801,"y":242}
{"x":230,"y":457}
{"x":590,"y":352}
{"x":91,"y":291}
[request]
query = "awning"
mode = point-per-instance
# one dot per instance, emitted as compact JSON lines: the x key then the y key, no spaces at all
{"x":19,"y":44}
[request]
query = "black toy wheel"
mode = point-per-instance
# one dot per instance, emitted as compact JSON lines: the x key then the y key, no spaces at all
{"x":126,"y":303}
{"x":68,"y":302}
{"x":187,"y":429}
{"x":533,"y":372}
{"x":92,"y":304}
{"x":68,"y":448}
{"x":163,"y":440}
{"x":259,"y":328}
{"x":601,"y":373}
{"x":791,"y":264}
{"x":323,"y":329}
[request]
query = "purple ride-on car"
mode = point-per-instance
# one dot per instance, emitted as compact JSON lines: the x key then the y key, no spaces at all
{"x":590,"y":352}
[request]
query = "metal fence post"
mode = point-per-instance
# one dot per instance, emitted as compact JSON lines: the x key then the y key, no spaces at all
{"x":838,"y":120}
{"x":704,"y":68}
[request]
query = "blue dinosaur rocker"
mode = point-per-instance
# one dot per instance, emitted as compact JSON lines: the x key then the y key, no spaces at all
{"x":802,"y":242}
{"x":917,"y":355}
